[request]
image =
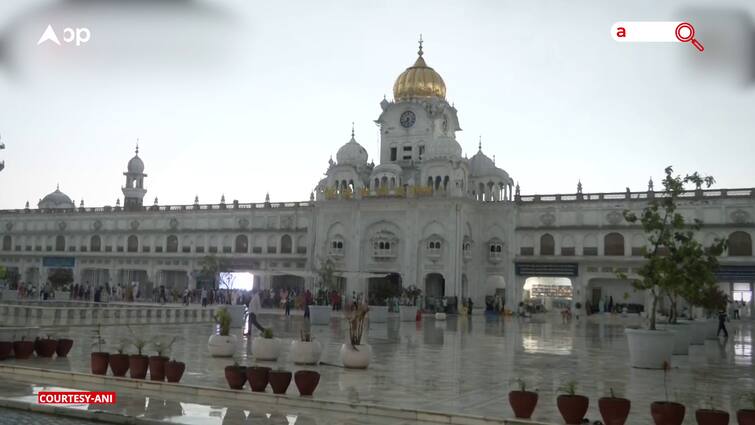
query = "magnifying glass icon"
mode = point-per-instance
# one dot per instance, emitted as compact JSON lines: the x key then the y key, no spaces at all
{"x":685,"y":32}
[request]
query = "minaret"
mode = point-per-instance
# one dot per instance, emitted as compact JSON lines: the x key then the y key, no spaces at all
{"x":134,"y":191}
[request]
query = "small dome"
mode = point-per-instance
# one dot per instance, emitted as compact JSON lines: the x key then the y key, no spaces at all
{"x":56,"y":200}
{"x":352,"y":153}
{"x":135,"y":165}
{"x":419,"y":80}
{"x":444,"y":148}
{"x":388,"y":168}
{"x":481,"y":165}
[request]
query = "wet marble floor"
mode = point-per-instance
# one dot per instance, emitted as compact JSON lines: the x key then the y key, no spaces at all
{"x":467,"y":365}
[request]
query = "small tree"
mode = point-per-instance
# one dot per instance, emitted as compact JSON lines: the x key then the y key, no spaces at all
{"x":677,"y":264}
{"x":327,"y":279}
{"x":213,"y":269}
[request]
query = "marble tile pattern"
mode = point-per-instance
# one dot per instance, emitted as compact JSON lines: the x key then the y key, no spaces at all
{"x":466,"y":365}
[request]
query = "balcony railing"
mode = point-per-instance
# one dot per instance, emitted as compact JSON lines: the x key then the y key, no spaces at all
{"x":162,"y":208}
{"x":614,"y":196}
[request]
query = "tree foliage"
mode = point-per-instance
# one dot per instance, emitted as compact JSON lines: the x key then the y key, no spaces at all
{"x":677,"y":265}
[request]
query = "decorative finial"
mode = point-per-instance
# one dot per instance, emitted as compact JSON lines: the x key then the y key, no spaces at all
{"x":650,"y":184}
{"x":267,"y":197}
{"x":27,"y":205}
{"x":420,"y":52}
{"x":57,"y":186}
{"x":118,"y":202}
{"x":196,"y":199}
{"x":222,"y":198}
{"x":311,"y":196}
{"x":579,"y":186}
{"x":155,"y":200}
{"x":352,"y":130}
{"x":81,"y":204}
{"x":137,"y":147}
{"x":479,"y":145}
{"x":493,"y":159}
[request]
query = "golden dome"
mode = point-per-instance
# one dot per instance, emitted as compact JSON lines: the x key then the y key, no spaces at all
{"x":419,"y":80}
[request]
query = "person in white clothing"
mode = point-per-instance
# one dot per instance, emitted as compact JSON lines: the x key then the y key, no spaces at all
{"x":255,"y":306}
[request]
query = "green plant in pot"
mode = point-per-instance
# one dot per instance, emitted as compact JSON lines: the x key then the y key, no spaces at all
{"x":667,"y":412}
{"x":120,"y":360}
{"x":522,"y":402}
{"x":746,"y":415}
{"x":614,"y":410}
{"x":710,"y":415}
{"x":99,"y":359}
{"x":138,"y":363}
{"x":157,"y":363}
{"x":676,"y":265}
{"x":571,"y":405}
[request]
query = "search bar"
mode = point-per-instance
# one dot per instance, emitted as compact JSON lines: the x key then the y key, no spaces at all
{"x":655,"y":32}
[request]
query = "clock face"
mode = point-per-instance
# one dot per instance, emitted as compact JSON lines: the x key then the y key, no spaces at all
{"x":407,"y":119}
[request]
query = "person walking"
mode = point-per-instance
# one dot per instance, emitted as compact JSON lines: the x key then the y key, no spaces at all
{"x":288,"y":301}
{"x":204,"y":297}
{"x":254,"y":307}
{"x":722,"y":323}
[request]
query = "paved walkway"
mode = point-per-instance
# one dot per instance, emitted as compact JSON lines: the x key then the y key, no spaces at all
{"x":467,"y":365}
{"x":19,"y":417}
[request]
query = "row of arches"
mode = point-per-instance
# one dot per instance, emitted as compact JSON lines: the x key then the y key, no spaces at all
{"x":614,"y":244}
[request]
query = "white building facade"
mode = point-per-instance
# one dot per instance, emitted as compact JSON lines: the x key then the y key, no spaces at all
{"x":425,"y":215}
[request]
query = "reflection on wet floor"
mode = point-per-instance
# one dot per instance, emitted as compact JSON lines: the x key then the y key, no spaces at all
{"x":466,"y":365}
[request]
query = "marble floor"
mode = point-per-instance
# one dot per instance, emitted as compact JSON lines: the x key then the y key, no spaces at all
{"x":467,"y":365}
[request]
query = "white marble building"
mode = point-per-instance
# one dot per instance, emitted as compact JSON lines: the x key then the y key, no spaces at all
{"x":424,"y":215}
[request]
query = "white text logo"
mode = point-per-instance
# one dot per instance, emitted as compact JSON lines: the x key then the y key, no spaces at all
{"x":76,"y":36}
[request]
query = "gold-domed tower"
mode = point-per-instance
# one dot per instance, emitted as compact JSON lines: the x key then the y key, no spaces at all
{"x":419,"y":81}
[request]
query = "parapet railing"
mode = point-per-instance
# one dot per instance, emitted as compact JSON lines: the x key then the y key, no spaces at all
{"x":163,"y":208}
{"x":633,"y":196}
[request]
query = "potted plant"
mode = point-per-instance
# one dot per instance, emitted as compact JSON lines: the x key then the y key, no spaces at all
{"x":157,"y":363}
{"x":354,"y":354}
{"x":138,"y":363}
{"x":677,"y":264}
{"x":119,"y":361}
{"x":99,"y":359}
{"x":306,"y":381}
{"x":408,"y":308}
{"x":319,"y":314}
{"x":235,"y":375}
{"x":23,"y":349}
{"x":667,"y":412}
{"x":279,"y":380}
{"x":522,"y":402}
{"x":266,"y":347}
{"x":571,"y":405}
{"x":222,"y":344}
{"x":306,"y":350}
{"x":258,"y":377}
{"x":174,"y":370}
{"x":46,"y":347}
{"x":64,"y":347}
{"x":711,"y":415}
{"x":746,"y":416}
{"x":614,"y":410}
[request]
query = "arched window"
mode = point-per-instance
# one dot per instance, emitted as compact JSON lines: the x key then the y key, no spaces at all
{"x":740,"y":244}
{"x":7,"y":243}
{"x":95,"y":243}
{"x":60,"y":243}
{"x":614,"y":244}
{"x":547,"y":245}
{"x":242,"y":244}
{"x":286,"y":244}
{"x":172,"y":244}
{"x":132,"y":244}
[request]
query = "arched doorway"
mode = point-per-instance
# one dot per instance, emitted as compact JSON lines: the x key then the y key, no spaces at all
{"x":382,"y":288}
{"x":546,"y":293}
{"x":495,"y":292}
{"x":435,"y":290}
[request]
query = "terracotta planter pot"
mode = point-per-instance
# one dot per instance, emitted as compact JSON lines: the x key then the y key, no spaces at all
{"x":64,"y":347}
{"x":45,"y":347}
{"x":137,"y":366}
{"x":23,"y":349}
{"x":667,"y":413}
{"x":235,"y":376}
{"x":174,"y":370}
{"x":99,"y":362}
{"x":572,"y":408}
{"x":258,"y":377}
{"x":711,"y":417}
{"x":5,"y":349}
{"x":279,"y":381}
{"x":119,"y":364}
{"x":614,"y":410}
{"x":157,"y":368}
{"x":746,"y":417}
{"x":523,"y":403}
{"x":306,"y":381}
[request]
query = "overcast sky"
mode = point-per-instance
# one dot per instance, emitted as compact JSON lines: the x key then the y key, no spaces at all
{"x":242,"y":98}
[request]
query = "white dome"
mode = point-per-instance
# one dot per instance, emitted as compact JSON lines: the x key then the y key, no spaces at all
{"x":444,"y":148}
{"x":56,"y":200}
{"x":135,"y":165}
{"x":387,"y":168}
{"x":352,"y":153}
{"x":481,"y":165}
